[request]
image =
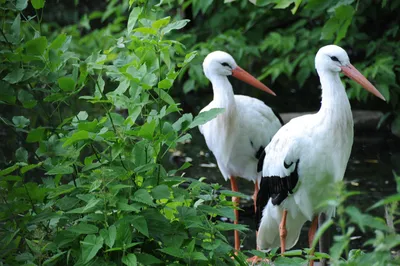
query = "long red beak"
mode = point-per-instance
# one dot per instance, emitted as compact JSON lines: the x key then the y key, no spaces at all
{"x":355,"y":75}
{"x":243,"y":75}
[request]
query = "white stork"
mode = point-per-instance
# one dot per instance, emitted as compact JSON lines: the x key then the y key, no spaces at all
{"x":238,"y":135}
{"x":307,"y":157}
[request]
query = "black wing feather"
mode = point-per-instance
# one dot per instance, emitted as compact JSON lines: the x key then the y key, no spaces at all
{"x":275,"y":187}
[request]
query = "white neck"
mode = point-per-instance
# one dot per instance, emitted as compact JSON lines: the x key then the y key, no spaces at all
{"x":334,"y":98}
{"x":223,"y":93}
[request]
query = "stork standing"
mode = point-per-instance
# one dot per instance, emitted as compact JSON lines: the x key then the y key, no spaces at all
{"x":238,"y":136}
{"x":307,"y":157}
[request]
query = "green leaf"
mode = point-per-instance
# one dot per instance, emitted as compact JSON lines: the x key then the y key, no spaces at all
{"x":109,"y":235}
{"x":77,"y":136}
{"x":27,"y":99}
{"x":21,"y":4}
{"x":146,"y":30}
{"x":140,"y":224}
{"x":173,"y":251}
{"x":160,"y":192}
{"x":84,"y":229}
{"x":133,"y":17}
{"x":54,"y":258}
{"x":35,"y":135}
{"x":16,"y":26}
{"x":143,"y":196}
{"x":61,"y":170}
{"x":165,"y":83}
{"x":20,"y":121}
{"x":66,"y":83}
{"x":160,"y":23}
{"x":147,"y":130}
{"x":21,"y":155}
{"x":58,"y":42}
{"x":90,"y":246}
{"x":36,"y":46}
{"x":165,"y":96}
{"x":206,"y":116}
{"x":29,"y":167}
{"x":129,"y":260}
{"x":147,"y":259}
{"x":7,"y":94}
{"x":37,"y":4}
{"x":9,"y":170}
{"x":14,"y":76}
{"x":175,"y":26}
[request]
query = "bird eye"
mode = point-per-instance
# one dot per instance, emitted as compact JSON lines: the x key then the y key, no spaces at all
{"x":334,"y":58}
{"x":225,"y":64}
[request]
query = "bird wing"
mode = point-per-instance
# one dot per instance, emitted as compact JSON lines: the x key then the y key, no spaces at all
{"x":258,"y":120}
{"x":279,"y":163}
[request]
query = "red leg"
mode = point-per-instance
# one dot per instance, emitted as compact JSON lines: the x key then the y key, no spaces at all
{"x":255,"y":195}
{"x":236,"y":203}
{"x":311,"y":234}
{"x":283,"y":232}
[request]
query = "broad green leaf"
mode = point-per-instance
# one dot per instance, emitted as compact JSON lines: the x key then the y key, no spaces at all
{"x":183,"y":122}
{"x":53,"y":258}
{"x":21,"y":4}
{"x":175,"y":26}
{"x":84,"y":229}
{"x":66,"y":83}
{"x":77,"y":136}
{"x":14,"y":76}
{"x":16,"y":26}
{"x":140,"y":224}
{"x":109,"y":235}
{"x":165,"y":83}
{"x":7,"y":94}
{"x":90,"y":246}
{"x":146,"y":30}
{"x":35,"y":135}
{"x":36,"y":46}
{"x":20,"y":121}
{"x":147,"y":259}
{"x":37,"y":4}
{"x":21,"y":155}
{"x":160,"y":23}
{"x":160,"y":192}
{"x":165,"y":96}
{"x":173,"y":251}
{"x":9,"y":170}
{"x":27,"y":99}
{"x":143,"y":196}
{"x":129,"y":260}
{"x":206,"y":116}
{"x":147,"y":130}
{"x":58,"y":42}
{"x":133,"y":17}
{"x":29,"y":167}
{"x":61,"y":170}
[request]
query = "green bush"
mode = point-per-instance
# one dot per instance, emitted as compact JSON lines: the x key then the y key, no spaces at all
{"x":86,"y":184}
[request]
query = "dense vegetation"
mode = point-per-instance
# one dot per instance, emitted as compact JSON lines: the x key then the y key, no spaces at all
{"x":89,"y":110}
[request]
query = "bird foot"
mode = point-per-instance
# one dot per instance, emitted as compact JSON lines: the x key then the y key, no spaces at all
{"x":255,"y":259}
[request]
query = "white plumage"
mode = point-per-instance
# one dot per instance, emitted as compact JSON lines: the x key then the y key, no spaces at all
{"x":314,"y":147}
{"x":238,"y":135}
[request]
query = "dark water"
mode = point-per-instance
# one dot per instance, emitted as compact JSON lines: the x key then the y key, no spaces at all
{"x":370,"y":171}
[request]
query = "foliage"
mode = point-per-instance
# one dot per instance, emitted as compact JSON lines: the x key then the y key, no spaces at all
{"x":282,"y":37}
{"x":86,"y":184}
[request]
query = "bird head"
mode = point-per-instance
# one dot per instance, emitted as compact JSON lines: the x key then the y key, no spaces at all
{"x":219,"y":63}
{"x":332,"y":58}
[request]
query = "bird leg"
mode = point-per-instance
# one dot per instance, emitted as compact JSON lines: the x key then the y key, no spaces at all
{"x":325,"y":240}
{"x":255,"y":195}
{"x":311,"y":234}
{"x":235,"y":201}
{"x":283,"y":232}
